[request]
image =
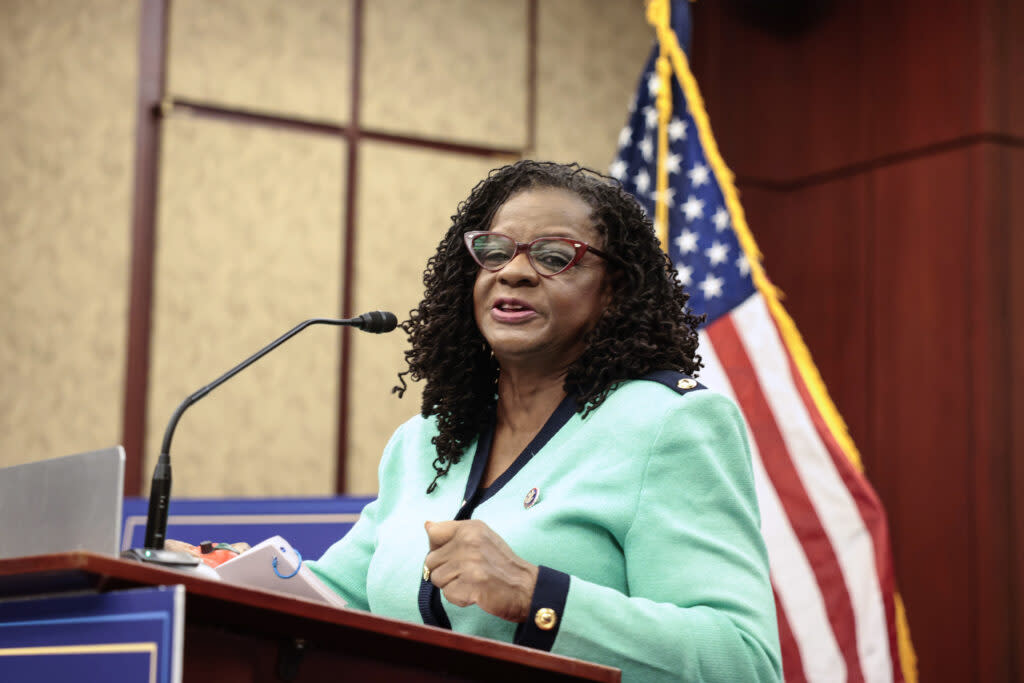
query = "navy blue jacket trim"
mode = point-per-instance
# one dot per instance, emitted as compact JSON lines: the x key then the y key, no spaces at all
{"x":552,"y":585}
{"x":551,"y":592}
{"x":476,"y":472}
{"x":679,"y":382}
{"x":431,"y":609}
{"x":562,"y":414}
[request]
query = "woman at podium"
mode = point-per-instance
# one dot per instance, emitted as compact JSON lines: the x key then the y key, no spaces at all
{"x":567,"y":484}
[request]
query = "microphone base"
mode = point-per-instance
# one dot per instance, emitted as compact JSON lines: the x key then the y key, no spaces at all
{"x":165,"y":558}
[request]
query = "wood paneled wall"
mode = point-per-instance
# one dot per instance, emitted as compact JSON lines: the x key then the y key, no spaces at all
{"x":401,"y":106}
{"x":879,"y":152}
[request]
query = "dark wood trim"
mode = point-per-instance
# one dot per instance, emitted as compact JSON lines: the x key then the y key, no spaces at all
{"x":974,"y":210}
{"x":352,"y":131}
{"x":532,"y":28}
{"x":440,"y":145}
{"x":348,"y":246}
{"x":987,"y":328}
{"x":152,"y":83}
{"x":874,"y":164}
{"x":1011,"y":170}
{"x":212,"y":110}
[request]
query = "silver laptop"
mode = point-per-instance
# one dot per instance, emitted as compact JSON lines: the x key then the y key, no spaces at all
{"x":61,"y":504}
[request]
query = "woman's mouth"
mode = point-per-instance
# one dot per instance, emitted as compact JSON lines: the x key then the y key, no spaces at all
{"x":511,"y":311}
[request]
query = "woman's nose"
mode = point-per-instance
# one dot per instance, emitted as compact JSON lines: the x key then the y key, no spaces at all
{"x":518,"y":270}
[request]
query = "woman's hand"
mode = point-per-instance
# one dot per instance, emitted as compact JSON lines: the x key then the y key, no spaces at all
{"x":472,"y":565}
{"x":182,"y":547}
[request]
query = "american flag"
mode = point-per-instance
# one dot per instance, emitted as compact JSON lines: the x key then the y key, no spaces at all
{"x":824,"y":526}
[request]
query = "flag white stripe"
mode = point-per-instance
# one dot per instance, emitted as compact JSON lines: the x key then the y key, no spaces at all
{"x":795,"y":584}
{"x":828,"y":493}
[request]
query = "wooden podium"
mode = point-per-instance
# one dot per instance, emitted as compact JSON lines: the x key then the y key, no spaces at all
{"x":234,"y":633}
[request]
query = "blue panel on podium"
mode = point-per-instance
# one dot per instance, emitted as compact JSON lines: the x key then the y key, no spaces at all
{"x":130,"y":635}
{"x":310,"y":525}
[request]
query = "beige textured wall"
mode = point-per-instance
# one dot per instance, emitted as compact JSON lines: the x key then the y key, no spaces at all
{"x":589,"y":58}
{"x":450,"y":69}
{"x":249,"y":235}
{"x":249,"y":246}
{"x":67,"y":113}
{"x":263,"y":55}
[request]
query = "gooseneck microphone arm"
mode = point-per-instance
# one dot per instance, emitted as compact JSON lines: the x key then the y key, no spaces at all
{"x":160,"y":489}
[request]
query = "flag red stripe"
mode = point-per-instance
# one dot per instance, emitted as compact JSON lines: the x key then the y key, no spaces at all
{"x":792,"y":666}
{"x":871,"y":511}
{"x":798,"y":507}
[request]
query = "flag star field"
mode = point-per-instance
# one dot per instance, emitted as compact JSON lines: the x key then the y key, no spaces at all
{"x":702,"y":245}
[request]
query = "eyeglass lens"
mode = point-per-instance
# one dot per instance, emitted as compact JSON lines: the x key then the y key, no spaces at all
{"x":548,"y":255}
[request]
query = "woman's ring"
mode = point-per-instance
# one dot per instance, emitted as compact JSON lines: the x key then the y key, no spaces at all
{"x":426,"y":573}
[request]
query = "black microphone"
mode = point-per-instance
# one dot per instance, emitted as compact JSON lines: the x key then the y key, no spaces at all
{"x":376,"y":322}
{"x":160,"y":488}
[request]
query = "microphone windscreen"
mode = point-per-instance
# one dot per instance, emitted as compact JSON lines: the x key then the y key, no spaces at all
{"x":378,"y":321}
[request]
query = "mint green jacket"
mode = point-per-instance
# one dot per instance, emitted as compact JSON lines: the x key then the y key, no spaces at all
{"x":644,"y":521}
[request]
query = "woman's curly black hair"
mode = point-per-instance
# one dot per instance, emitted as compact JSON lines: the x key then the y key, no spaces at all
{"x":647,"y":326}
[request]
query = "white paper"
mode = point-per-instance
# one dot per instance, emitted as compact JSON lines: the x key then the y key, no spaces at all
{"x":256,"y":567}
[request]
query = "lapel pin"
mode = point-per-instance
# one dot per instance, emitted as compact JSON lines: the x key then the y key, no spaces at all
{"x":532,"y":496}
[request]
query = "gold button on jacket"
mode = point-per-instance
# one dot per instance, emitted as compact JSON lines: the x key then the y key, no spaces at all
{"x":545,"y":618}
